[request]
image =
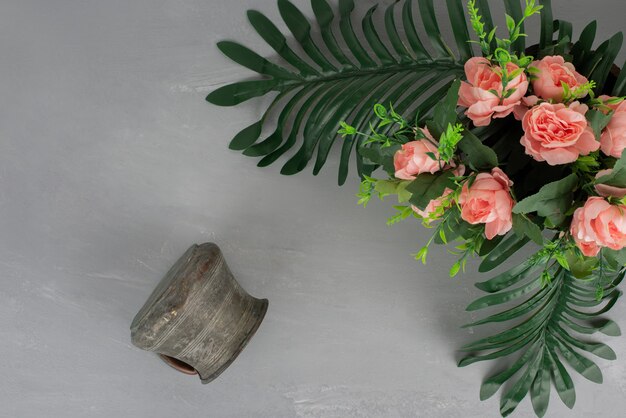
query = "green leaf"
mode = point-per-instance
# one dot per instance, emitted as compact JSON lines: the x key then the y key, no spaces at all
{"x":603,"y":68}
{"x":431,"y":27}
{"x":552,"y":201}
{"x":506,"y":279}
{"x":522,"y":226}
{"x":582,"y":49}
{"x":301,"y":30}
{"x":514,"y":8}
{"x":503,"y":297}
{"x":427,"y":187}
{"x":491,"y":385}
{"x":236,"y":93}
{"x":618,"y":176}
{"x":345,"y":74}
{"x":562,"y":381}
{"x":510,"y":23}
{"x":547,"y":24}
{"x":539,"y":329}
{"x":620,"y":84}
{"x":393,"y":187}
{"x":250,"y":59}
{"x":459,"y":28}
{"x":378,"y":155}
{"x":455,"y":269}
{"x":392,"y":30}
{"x":444,"y":113}
{"x":615,"y":258}
{"x":505,"y":249}
{"x":581,"y":364}
{"x":513,"y":397}
{"x":479,"y":157}
{"x":325,"y":17}
{"x":598,"y":121}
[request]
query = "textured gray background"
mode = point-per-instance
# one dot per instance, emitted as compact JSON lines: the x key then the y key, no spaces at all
{"x":111,"y":164}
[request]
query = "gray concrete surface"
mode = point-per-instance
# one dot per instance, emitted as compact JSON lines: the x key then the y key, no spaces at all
{"x":112,"y":164}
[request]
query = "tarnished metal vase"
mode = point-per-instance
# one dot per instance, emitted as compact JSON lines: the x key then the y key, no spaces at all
{"x":199,"y":318}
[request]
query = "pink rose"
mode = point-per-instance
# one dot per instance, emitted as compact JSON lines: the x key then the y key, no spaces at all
{"x":558,"y":134}
{"x":553,"y":71}
{"x":413,"y":159}
{"x":488,"y":201}
{"x":613,"y":139}
{"x":599,"y":224}
{"x":519,"y":111}
{"x":482,"y":104}
{"x":605,"y":190}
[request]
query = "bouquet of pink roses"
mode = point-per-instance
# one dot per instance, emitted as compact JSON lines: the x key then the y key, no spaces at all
{"x":514,"y":146}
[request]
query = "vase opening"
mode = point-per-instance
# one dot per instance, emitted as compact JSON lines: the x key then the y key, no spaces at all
{"x":179,"y":365}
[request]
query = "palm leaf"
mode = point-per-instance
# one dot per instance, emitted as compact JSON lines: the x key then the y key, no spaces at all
{"x":547,"y":322}
{"x":320,"y":84}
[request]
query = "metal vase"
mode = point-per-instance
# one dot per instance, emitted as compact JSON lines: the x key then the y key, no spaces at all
{"x":199,"y":318}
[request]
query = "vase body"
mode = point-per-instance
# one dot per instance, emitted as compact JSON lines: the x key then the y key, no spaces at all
{"x":198,"y":318}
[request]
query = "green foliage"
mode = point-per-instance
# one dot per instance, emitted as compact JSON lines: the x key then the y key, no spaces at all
{"x":502,"y":251}
{"x":427,"y":187}
{"x":324,"y":85}
{"x":504,"y":52}
{"x":553,"y":200}
{"x":618,"y":175}
{"x":478,"y":156}
{"x":448,"y":142}
{"x":485,"y":39}
{"x":397,"y":188}
{"x":524,"y":227}
{"x":579,"y":92}
{"x":445,"y":113}
{"x":379,"y":154}
{"x":366,"y":189}
{"x":586,"y":164}
{"x":382,"y":188}
{"x":598,"y":121}
{"x":402,"y":212}
{"x":386,"y":118}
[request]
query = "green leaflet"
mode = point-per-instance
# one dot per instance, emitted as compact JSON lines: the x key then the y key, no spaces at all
{"x":505,"y":249}
{"x":506,"y":279}
{"x":552,"y":201}
{"x":582,"y":49}
{"x":382,"y":156}
{"x":427,"y":187}
{"x":618,"y":176}
{"x":598,"y":121}
{"x":445,"y":111}
{"x":524,"y":227}
{"x":602,"y":70}
{"x":478,"y":156}
{"x":547,"y":26}
{"x":540,"y":389}
{"x":616,"y":259}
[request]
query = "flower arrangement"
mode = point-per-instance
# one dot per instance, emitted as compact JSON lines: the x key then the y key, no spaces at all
{"x":516,"y":145}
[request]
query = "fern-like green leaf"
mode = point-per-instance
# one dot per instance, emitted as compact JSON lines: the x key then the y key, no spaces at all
{"x":320,"y":84}
{"x":548,"y":320}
